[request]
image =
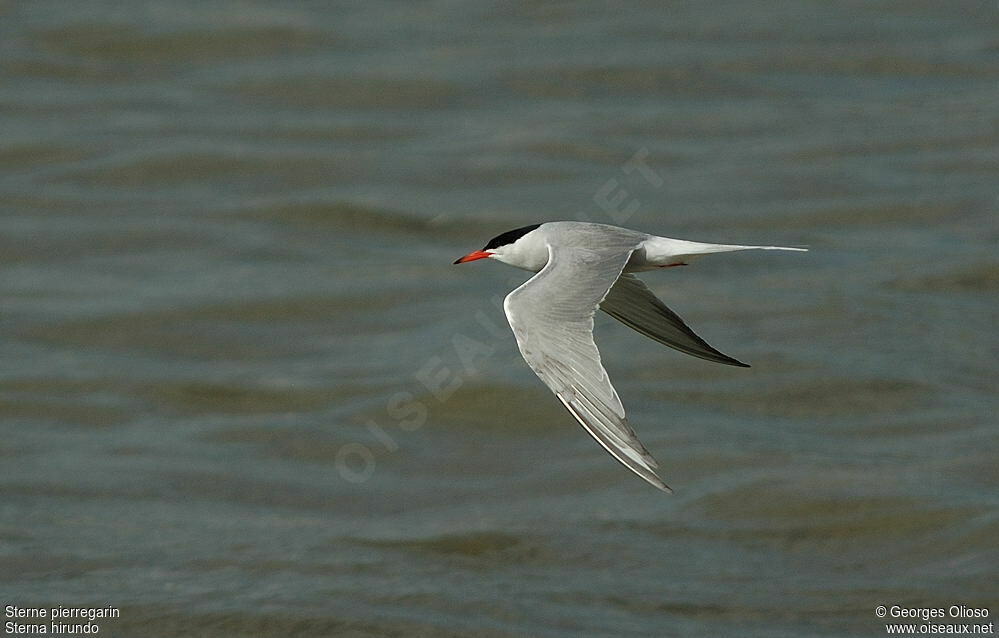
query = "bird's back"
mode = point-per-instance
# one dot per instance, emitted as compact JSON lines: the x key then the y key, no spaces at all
{"x":592,"y":235}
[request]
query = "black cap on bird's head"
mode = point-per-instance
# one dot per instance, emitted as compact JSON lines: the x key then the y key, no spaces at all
{"x":509,"y":236}
{"x":498,"y":241}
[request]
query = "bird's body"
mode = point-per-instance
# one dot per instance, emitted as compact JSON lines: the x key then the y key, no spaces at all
{"x":581,"y":267}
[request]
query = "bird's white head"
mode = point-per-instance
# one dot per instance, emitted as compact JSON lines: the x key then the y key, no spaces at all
{"x":522,"y":248}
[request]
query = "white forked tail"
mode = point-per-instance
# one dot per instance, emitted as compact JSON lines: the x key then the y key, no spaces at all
{"x":663,"y":251}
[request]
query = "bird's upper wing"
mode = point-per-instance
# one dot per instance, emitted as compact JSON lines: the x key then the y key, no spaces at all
{"x":633,"y":304}
{"x":552,"y":318}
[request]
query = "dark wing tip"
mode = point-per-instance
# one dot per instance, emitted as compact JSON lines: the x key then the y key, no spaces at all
{"x":665,"y":488}
{"x":711,"y":354}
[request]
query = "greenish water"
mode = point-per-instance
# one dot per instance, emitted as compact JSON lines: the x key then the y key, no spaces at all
{"x":243,"y":391}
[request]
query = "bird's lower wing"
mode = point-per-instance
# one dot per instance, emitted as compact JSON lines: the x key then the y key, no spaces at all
{"x":614,"y":435}
{"x":633,"y":304}
{"x":552,"y":318}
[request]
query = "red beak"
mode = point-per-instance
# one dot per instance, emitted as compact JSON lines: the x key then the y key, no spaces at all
{"x":472,"y":256}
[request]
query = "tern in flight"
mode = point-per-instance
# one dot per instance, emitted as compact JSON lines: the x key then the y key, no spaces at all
{"x":581,"y":267}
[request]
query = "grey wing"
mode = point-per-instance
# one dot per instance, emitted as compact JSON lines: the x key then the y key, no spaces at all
{"x":552,"y":318}
{"x":633,"y":304}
